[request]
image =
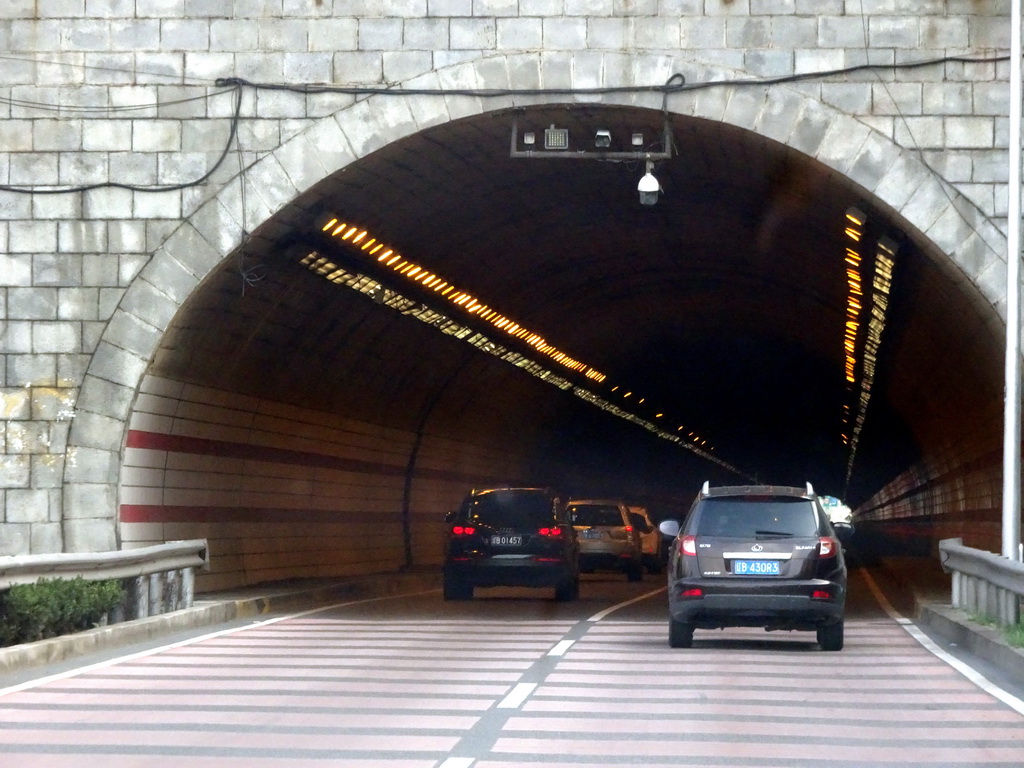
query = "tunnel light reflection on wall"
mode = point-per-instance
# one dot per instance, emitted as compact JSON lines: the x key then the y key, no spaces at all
{"x":371,"y":288}
{"x":860,"y":350}
{"x":388,"y":257}
{"x":359,"y":238}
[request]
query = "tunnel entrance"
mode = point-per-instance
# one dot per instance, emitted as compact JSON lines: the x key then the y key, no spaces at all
{"x":713,"y":330}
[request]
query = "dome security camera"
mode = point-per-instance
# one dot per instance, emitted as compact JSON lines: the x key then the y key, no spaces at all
{"x":649,"y":188}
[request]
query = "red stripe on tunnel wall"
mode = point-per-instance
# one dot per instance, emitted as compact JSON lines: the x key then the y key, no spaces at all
{"x":158,"y":513}
{"x":156,"y":441}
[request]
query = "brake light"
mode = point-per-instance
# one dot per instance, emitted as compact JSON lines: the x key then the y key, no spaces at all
{"x":827,"y":546}
{"x":463,"y":530}
{"x":821,"y":594}
{"x":629,"y":529}
{"x":688,"y":545}
{"x":692,"y":592}
{"x":551,"y":532}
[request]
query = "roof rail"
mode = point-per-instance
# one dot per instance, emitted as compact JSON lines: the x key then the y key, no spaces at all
{"x":810,"y":489}
{"x":707,"y":487}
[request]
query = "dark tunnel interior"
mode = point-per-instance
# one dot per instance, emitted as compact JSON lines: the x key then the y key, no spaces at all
{"x":721,"y":309}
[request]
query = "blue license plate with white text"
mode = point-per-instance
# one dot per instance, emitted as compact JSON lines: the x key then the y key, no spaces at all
{"x":755,"y":567}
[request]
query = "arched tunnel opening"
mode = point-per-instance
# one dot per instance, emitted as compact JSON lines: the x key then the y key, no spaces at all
{"x":313,"y":394}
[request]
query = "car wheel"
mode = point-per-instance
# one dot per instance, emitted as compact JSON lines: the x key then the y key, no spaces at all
{"x":680,"y":634}
{"x":830,"y":638}
{"x":454,"y":589}
{"x":567,"y":591}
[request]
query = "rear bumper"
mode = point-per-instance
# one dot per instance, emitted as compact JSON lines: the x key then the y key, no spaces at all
{"x":497,"y":572}
{"x":793,"y":608}
{"x":609,"y":561}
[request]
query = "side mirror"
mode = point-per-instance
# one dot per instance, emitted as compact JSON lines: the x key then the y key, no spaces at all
{"x":669,"y":528}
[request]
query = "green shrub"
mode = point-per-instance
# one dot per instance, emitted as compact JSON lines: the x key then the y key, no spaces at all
{"x":55,"y":607}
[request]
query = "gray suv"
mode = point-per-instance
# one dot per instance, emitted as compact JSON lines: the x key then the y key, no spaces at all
{"x":756,"y":556}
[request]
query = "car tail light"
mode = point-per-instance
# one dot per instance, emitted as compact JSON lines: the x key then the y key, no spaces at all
{"x":692,"y":592}
{"x":551,"y":532}
{"x":463,"y":530}
{"x":827,"y":546}
{"x":629,"y":529}
{"x":688,"y":545}
{"x":821,"y":594}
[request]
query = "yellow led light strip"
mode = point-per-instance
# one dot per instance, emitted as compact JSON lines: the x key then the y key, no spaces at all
{"x":413,"y":308}
{"x":388,"y":257}
{"x":881,"y":284}
{"x":854,"y":231}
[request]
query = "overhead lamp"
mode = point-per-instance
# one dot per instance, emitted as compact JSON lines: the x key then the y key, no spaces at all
{"x":529,"y":138}
{"x":603,"y":138}
{"x":556,"y":138}
{"x":649,"y":188}
{"x":637,"y":139}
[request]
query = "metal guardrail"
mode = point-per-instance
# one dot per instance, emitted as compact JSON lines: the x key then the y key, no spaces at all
{"x":984,"y":584}
{"x":157,"y":579}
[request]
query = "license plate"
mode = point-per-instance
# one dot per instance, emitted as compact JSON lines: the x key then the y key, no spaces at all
{"x":591,"y":535}
{"x":755,"y":567}
{"x":507,"y":541}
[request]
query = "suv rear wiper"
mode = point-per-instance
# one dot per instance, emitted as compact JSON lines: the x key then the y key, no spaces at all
{"x":774,"y":533}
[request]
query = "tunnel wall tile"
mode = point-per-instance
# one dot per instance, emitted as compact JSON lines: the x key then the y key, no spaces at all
{"x":282,"y":491}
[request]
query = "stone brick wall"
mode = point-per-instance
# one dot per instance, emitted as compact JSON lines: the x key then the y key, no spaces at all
{"x":97,"y":91}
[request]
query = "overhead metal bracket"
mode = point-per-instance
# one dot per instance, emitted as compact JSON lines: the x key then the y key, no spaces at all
{"x":566,"y":152}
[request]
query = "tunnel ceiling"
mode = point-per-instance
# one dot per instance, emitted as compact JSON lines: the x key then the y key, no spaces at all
{"x":723,"y":305}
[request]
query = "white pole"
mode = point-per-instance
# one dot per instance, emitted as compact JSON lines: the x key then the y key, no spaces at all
{"x":1011,"y":426}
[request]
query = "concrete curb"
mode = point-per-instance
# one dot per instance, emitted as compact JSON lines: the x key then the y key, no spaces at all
{"x":985,"y":642}
{"x":209,"y":610}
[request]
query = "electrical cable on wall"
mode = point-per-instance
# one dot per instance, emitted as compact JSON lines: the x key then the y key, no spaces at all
{"x":236,"y":85}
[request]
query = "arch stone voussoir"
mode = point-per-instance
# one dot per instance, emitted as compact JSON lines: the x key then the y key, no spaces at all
{"x":876,"y":156}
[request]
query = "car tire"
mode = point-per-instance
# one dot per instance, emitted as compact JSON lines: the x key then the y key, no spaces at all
{"x":454,"y":589}
{"x":830,"y":637}
{"x":567,"y":591}
{"x":680,"y":634}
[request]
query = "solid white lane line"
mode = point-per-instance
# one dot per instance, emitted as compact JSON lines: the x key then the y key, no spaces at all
{"x":458,"y":762}
{"x":602,"y":614}
{"x":561,"y":647}
{"x":517,"y":696}
{"x":182,"y":643}
{"x":964,"y":669}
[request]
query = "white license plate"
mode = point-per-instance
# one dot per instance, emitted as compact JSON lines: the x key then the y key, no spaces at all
{"x":506,"y":541}
{"x":591,"y":535}
{"x":755,"y":567}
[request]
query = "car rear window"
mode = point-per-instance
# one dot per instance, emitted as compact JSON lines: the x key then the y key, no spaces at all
{"x":596,"y":514}
{"x":748,"y":518}
{"x":506,"y":509}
